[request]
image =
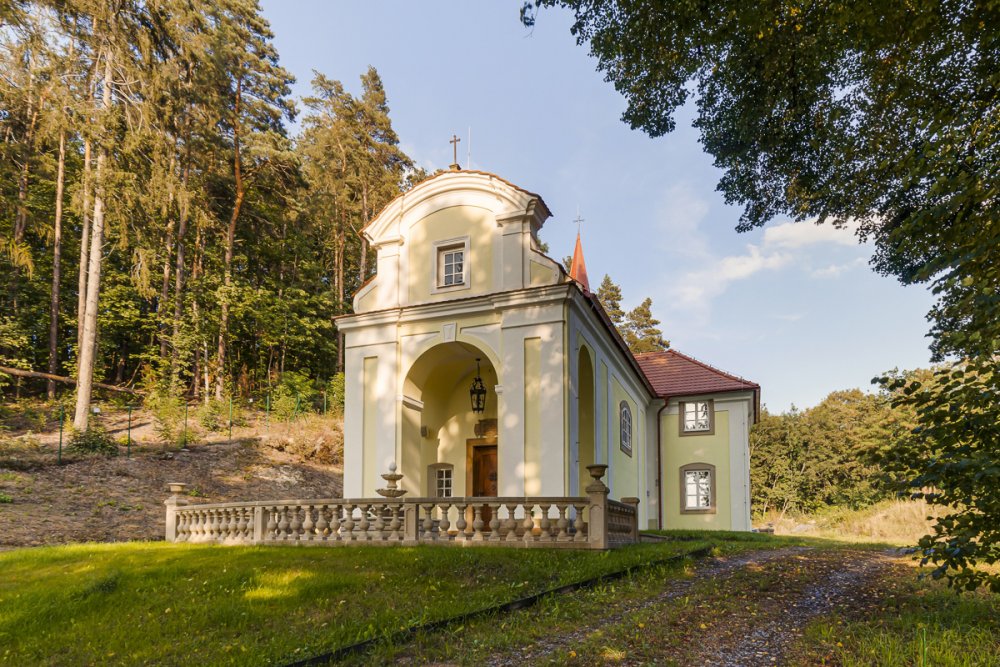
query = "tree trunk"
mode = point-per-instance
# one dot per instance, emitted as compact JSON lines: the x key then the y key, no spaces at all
{"x":56,"y":268}
{"x":81,"y":299}
{"x":230,"y":241}
{"x":179,"y":274}
{"x":85,"y":372}
{"x":20,"y":373}
{"x":168,"y":246}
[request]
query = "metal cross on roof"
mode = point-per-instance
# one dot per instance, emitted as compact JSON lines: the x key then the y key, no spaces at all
{"x":454,"y":144}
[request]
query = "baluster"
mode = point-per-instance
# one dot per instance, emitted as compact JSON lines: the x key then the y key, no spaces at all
{"x":210,"y":516}
{"x":579,"y":525}
{"x":445,"y":523}
{"x":529,"y":523}
{"x":296,"y":523}
{"x":545,"y":524}
{"x":307,"y":523}
{"x":349,"y":523}
{"x":494,"y":522}
{"x":272,"y":523}
{"x":563,"y":523}
{"x":427,"y":535}
{"x":462,"y":524}
{"x":364,"y":524}
{"x":181,"y":533}
{"x":511,"y":523}
{"x":379,"y":525}
{"x":394,"y":523}
{"x":321,"y":523}
{"x":241,"y":523}
{"x":283,"y":524}
{"x":477,"y":523}
{"x":335,"y":522}
{"x":234,"y":522}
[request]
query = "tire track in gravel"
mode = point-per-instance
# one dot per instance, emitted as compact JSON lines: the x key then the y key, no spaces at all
{"x":719,"y":567}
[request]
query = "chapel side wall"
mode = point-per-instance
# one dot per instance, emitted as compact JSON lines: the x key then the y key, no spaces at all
{"x":616,"y":380}
{"x":624,"y":466}
{"x":727,"y":449}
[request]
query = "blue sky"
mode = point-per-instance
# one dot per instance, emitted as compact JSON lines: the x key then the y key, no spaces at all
{"x":794,"y":307}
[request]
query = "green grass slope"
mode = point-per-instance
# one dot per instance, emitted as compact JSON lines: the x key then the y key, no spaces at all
{"x":172,"y":604}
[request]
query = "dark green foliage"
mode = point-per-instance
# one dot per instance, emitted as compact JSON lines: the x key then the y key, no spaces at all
{"x":95,"y":440}
{"x":826,"y":456}
{"x":951,"y":460}
{"x":610,"y":296}
{"x":638,"y":327}
{"x":5,"y":499}
{"x":230,"y":245}
{"x":641,"y":331}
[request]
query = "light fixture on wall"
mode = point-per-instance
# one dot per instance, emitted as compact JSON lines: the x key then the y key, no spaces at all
{"x":478,"y":392}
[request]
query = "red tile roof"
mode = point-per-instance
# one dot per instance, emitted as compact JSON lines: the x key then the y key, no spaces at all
{"x":674,"y":374}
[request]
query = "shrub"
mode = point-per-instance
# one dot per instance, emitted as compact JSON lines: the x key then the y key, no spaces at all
{"x":94,"y":440}
{"x":335,"y":390}
{"x":214,"y":415}
{"x":168,"y":418}
{"x":5,"y":499}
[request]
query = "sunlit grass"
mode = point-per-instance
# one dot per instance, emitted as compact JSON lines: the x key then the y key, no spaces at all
{"x":921,"y":623}
{"x":198,"y":604}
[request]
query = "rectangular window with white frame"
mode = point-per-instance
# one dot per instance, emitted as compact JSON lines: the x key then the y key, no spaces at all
{"x":697,"y":417}
{"x":698,"y":489}
{"x":440,"y":480}
{"x":451,"y":265}
{"x":444,"y":478}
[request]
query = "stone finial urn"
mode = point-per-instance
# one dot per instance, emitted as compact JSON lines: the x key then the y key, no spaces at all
{"x":597,"y":471}
{"x":176,"y":487}
{"x":392,"y":478}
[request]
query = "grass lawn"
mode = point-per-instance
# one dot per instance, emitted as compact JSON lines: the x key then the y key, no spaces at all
{"x":916,"y":622}
{"x":196,"y":604}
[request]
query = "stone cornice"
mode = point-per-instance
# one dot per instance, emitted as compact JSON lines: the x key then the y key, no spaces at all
{"x":532,"y":296}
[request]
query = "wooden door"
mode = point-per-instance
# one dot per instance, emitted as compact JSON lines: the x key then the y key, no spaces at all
{"x":484,"y":476}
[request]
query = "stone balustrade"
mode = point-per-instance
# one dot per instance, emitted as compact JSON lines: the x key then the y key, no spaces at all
{"x":586,"y":522}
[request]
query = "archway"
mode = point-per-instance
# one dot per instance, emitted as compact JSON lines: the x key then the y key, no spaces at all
{"x":586,"y":413}
{"x":442,"y":437}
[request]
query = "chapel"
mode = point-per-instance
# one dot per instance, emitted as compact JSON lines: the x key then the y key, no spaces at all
{"x":479,"y":366}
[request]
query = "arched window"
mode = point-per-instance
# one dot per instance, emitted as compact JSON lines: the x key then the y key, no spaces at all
{"x":626,"y":426}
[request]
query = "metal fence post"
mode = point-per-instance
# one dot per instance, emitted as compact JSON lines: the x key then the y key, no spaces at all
{"x":62,"y":419}
{"x":128,"y":446}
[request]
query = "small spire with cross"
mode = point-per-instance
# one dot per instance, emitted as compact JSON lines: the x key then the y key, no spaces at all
{"x":454,"y":145}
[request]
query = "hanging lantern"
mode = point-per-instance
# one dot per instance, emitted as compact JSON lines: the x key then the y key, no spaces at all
{"x":478,"y":392}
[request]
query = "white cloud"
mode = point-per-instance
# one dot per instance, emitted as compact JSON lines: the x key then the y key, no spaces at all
{"x":835,"y":270}
{"x":781,"y":245}
{"x":793,"y":235}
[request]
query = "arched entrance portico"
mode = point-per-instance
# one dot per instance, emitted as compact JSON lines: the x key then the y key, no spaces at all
{"x":447,"y":448}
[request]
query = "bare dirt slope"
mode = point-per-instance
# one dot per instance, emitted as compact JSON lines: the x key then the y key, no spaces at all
{"x":101,"y":499}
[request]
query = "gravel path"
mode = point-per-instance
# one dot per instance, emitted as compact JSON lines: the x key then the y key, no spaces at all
{"x":546,"y":649}
{"x":840,"y":585}
{"x":784,"y":589}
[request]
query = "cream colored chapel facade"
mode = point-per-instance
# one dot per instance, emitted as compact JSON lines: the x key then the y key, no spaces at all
{"x":462,"y":291}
